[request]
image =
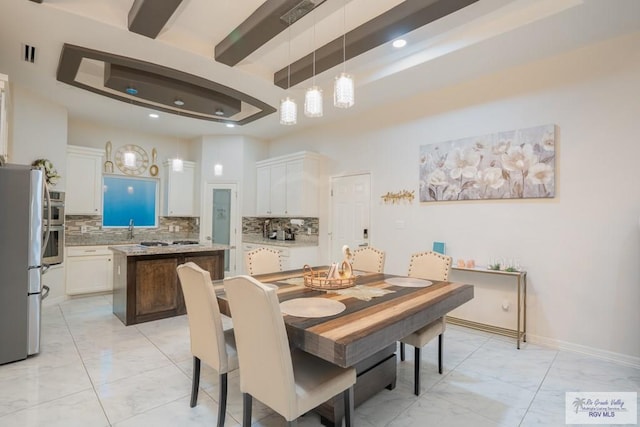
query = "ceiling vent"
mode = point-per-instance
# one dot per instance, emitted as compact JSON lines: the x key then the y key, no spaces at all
{"x":28,"y":53}
{"x":300,"y":10}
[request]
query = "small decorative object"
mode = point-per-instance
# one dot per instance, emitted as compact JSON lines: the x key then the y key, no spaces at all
{"x":515,"y":164}
{"x":403,"y":195}
{"x":153,"y":169}
{"x":319,"y":280}
{"x":461,"y":263}
{"x":494,"y":265}
{"x":50,"y":172}
{"x":139,"y":159}
{"x":471,"y":263}
{"x":108,"y":165}
{"x":438,"y":247}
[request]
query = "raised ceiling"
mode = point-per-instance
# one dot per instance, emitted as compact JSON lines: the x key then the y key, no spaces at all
{"x":481,"y":38}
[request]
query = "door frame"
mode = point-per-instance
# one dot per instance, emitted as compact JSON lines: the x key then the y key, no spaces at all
{"x":331,"y":207}
{"x":236,"y":219}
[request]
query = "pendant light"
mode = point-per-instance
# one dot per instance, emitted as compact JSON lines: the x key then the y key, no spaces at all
{"x":343,"y":90}
{"x":288,"y":107}
{"x":313,"y":96}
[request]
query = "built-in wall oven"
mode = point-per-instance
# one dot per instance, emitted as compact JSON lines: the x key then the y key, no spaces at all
{"x":53,"y":219}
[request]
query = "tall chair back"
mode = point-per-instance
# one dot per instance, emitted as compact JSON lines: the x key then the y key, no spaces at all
{"x":430,"y":265}
{"x":263,"y":261}
{"x":368,"y":259}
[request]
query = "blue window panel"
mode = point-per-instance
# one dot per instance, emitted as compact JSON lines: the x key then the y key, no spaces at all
{"x":126,"y":198}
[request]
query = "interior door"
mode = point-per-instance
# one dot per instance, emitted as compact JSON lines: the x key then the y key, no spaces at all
{"x":220,"y":221}
{"x":350,"y":213}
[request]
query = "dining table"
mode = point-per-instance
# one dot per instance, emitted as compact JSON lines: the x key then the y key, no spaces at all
{"x":375,"y":314}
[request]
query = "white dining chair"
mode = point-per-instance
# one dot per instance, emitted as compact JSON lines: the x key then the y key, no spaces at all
{"x":430,"y":266}
{"x":263,"y":261}
{"x":210,"y":343}
{"x":368,"y":259}
{"x":291,"y":382}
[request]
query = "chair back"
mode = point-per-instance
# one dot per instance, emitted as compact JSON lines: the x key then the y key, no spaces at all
{"x":205,"y":322}
{"x":266,"y":369}
{"x":263,"y":261}
{"x":368,"y":259}
{"x":430,"y":265}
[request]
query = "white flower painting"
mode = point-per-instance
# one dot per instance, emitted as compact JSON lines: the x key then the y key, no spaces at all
{"x":506,"y":165}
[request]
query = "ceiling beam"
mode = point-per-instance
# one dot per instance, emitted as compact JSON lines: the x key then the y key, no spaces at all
{"x":148,"y":17}
{"x":260,"y":27}
{"x":402,"y":19}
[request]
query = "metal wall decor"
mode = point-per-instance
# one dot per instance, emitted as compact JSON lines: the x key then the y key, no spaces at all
{"x":141,"y":159}
{"x":397,"y":197}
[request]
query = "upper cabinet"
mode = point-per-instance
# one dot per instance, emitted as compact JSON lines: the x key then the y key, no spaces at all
{"x":179,"y":190}
{"x":4,"y":131}
{"x":288,"y":185}
{"x":84,"y":181}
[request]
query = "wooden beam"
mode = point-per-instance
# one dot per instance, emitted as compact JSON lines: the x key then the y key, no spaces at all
{"x":148,"y":17}
{"x":405,"y":17}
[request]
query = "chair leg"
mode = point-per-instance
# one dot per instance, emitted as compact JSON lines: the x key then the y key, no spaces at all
{"x":222,"y":401}
{"x":348,"y":406}
{"x":246,"y":410}
{"x":416,"y":374}
{"x":402,"y":351}
{"x":440,"y":342}
{"x":195,"y":381}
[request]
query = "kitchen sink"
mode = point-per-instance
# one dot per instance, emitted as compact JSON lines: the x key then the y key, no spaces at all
{"x":185,"y":242}
{"x":154,"y":243}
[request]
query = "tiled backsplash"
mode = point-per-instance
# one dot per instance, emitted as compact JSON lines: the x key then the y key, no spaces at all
{"x":253,"y":225}
{"x":95,"y":235}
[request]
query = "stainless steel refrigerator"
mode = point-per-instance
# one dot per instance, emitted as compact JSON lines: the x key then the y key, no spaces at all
{"x":21,"y":234}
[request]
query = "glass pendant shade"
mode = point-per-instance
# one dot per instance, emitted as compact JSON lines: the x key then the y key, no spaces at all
{"x":177,"y":165}
{"x":343,"y":91}
{"x":313,"y":102}
{"x":288,"y":112}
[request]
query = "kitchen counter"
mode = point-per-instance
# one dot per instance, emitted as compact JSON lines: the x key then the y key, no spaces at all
{"x":140,"y":250}
{"x":301,"y":241}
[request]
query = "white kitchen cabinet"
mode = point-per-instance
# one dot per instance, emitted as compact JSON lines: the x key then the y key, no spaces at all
{"x":179,"y":190}
{"x":83,"y":181}
{"x":288,"y":185}
{"x":4,"y":131}
{"x":292,"y":257}
{"x":88,"y":269}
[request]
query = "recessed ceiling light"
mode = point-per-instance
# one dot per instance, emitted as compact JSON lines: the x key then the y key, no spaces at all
{"x":219,"y":112}
{"x":230,"y":125}
{"x":179,"y":102}
{"x":154,"y":115}
{"x":399,"y":43}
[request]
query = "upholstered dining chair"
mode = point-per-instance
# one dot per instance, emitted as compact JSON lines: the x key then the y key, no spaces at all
{"x":430,"y":266}
{"x":209,"y":342}
{"x":368,"y":259}
{"x":263,"y":261}
{"x":291,"y":382}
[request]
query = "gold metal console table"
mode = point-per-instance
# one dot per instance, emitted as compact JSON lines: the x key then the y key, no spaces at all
{"x":520,"y":333}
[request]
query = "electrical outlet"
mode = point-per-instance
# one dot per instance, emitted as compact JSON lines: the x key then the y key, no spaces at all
{"x":83,"y":229}
{"x":177,"y":228}
{"x":171,"y":229}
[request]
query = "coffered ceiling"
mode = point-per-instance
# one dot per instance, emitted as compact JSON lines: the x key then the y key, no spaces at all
{"x":230,"y":59}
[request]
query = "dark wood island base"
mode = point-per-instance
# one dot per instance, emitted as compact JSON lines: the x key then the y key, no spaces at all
{"x":145,"y":281}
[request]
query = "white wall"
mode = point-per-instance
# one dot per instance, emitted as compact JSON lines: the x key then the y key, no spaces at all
{"x":581,"y":248}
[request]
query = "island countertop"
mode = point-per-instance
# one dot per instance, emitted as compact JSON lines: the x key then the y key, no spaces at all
{"x":140,"y":250}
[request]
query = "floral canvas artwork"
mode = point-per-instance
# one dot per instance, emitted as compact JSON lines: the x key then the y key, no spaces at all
{"x":515,"y":164}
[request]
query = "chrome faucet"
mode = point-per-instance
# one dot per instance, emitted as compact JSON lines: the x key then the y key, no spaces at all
{"x":131,"y":228}
{"x":266,"y":228}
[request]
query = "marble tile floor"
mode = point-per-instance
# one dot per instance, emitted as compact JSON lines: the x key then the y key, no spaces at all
{"x":94,"y":371}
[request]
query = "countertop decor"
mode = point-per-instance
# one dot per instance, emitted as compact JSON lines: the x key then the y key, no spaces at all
{"x":50,"y":172}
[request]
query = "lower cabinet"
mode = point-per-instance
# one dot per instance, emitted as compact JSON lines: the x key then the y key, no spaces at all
{"x":88,"y":269}
{"x":147,"y":287}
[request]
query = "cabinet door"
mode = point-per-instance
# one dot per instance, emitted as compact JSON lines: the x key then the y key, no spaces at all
{"x":213,"y":264}
{"x":84,"y":184}
{"x":180,"y":192}
{"x":263,"y":190}
{"x":157,"y":286}
{"x":295,"y":188}
{"x":87,"y":274}
{"x":278,"y":189}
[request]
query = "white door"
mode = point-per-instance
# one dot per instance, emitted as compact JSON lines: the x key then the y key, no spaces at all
{"x":350,"y":211}
{"x":220,"y":221}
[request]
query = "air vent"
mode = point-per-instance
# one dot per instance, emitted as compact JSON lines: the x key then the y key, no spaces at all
{"x":300,"y":10}
{"x":28,"y":53}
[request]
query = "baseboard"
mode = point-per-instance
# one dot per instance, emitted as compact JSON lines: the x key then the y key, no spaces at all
{"x":619,"y":358}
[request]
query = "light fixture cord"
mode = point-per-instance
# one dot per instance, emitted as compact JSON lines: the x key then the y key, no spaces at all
{"x":344,"y":36}
{"x":314,"y":50}
{"x":289,"y":56}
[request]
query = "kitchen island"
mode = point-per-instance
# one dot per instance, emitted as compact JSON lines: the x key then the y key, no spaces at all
{"x":145,"y":280}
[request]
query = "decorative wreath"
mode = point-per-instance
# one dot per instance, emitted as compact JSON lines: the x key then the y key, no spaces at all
{"x":50,"y":172}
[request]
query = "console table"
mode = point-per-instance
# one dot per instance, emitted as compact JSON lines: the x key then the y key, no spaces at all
{"x":520,"y":332}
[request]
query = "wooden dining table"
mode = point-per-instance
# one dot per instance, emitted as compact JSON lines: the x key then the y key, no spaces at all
{"x":364,"y":335}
